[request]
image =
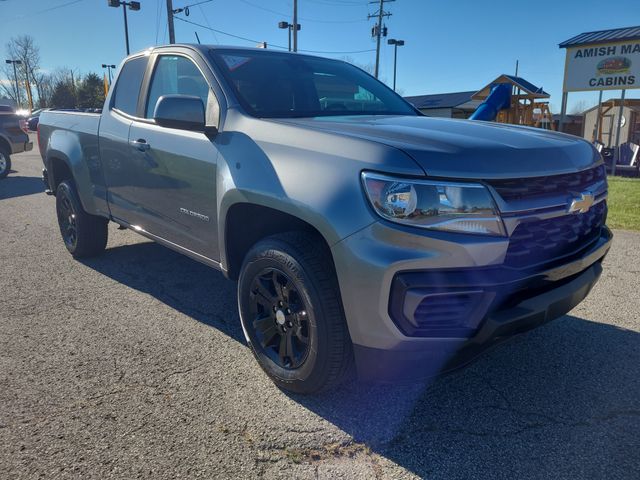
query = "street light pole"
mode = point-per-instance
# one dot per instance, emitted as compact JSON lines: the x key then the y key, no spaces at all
{"x":289,"y":26}
{"x":286,"y":25}
{"x":108,"y":67}
{"x":135,"y":6}
{"x":15,"y":76}
{"x":126,"y":26}
{"x":396,"y":44}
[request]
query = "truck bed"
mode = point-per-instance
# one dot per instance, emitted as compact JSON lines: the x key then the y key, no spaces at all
{"x":81,"y":124}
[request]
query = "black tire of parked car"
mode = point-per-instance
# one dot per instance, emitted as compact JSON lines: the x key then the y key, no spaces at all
{"x":5,"y":162}
{"x":289,"y":300}
{"x":84,"y":235}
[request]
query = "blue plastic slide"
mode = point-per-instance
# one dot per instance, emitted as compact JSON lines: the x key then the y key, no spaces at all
{"x":498,"y":99}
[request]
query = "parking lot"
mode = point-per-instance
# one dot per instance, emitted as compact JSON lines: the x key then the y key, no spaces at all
{"x":133,"y":365}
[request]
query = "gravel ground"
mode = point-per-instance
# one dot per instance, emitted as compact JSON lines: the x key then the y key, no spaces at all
{"x":133,"y":365}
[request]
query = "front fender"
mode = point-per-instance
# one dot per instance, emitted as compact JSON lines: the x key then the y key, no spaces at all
{"x":311,"y":175}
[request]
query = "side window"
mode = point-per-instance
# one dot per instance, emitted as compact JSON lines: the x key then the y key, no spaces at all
{"x":125,"y":96}
{"x":174,"y":74}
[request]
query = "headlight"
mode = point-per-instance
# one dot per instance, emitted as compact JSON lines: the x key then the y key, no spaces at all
{"x":449,"y":206}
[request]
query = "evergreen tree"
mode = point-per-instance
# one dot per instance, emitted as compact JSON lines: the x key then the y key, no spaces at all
{"x":63,"y":95}
{"x":91,"y":92}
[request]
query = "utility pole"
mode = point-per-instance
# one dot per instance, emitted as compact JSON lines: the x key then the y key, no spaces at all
{"x":172,"y":32}
{"x":377,"y":30}
{"x":295,"y":23}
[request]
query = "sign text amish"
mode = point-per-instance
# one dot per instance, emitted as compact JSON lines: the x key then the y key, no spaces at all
{"x":613,"y":66}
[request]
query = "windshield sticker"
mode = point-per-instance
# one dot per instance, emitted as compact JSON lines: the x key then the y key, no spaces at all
{"x":235,"y":61}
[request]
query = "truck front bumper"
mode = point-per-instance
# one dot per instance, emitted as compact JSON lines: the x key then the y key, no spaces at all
{"x":419,"y":306}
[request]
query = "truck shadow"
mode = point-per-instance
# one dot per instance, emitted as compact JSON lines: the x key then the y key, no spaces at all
{"x":185,"y":285}
{"x":558,"y":402}
{"x":17,"y":186}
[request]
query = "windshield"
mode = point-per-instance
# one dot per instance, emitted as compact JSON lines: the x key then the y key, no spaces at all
{"x":272,"y":84}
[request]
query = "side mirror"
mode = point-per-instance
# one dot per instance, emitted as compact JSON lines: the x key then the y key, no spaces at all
{"x":184,"y":112}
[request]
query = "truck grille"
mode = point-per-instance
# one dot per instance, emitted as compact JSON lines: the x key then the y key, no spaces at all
{"x":538,"y":241}
{"x":520,"y":188}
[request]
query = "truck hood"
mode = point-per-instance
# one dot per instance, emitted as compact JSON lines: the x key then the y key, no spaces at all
{"x":465,"y":148}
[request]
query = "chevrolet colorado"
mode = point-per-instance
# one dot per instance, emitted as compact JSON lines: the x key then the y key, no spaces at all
{"x":364,"y":237}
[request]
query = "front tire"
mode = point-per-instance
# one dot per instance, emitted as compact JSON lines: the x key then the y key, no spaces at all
{"x":292,"y":315}
{"x":5,"y":163}
{"x":84,"y":235}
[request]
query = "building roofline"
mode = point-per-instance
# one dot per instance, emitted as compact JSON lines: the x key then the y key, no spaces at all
{"x":595,"y":37}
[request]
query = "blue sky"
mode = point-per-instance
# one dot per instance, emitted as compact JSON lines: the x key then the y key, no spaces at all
{"x":451,"y":45}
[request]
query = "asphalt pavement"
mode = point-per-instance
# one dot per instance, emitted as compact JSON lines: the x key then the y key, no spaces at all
{"x":133,"y":365}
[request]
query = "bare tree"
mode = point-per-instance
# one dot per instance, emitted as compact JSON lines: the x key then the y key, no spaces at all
{"x":579,"y":107}
{"x":23,"y":48}
{"x":369,"y":67}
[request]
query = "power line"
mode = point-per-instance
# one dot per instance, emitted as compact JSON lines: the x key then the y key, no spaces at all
{"x":50,"y":9}
{"x":338,"y":3}
{"x":158,"y":12}
{"x":271,"y":45}
{"x":208,"y":24}
{"x":198,"y":3}
{"x":329,"y":52}
{"x":280,"y":14}
{"x":185,"y":9}
{"x":225,"y":33}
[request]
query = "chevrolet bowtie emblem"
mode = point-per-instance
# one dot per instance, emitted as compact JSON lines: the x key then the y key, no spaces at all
{"x":582,"y":203}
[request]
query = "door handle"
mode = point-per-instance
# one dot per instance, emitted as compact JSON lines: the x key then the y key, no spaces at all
{"x":141,"y":144}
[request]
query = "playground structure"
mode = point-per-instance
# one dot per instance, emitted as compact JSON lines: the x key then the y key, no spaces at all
{"x":514,"y":100}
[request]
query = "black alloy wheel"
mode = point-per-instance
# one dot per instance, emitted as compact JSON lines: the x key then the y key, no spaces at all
{"x":279,"y":318}
{"x":84,"y":235}
{"x":291,"y":313}
{"x":67,"y":221}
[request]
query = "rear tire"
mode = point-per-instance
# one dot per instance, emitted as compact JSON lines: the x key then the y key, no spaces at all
{"x":292,"y":315}
{"x":5,"y":163}
{"x":84,"y":235}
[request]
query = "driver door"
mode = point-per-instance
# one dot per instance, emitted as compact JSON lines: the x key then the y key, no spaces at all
{"x":177,"y":168}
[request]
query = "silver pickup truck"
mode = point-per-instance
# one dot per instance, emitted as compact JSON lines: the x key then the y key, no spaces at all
{"x":364,"y":237}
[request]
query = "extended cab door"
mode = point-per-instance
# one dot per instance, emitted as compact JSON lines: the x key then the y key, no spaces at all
{"x":176,"y":169}
{"x":115,"y":152}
